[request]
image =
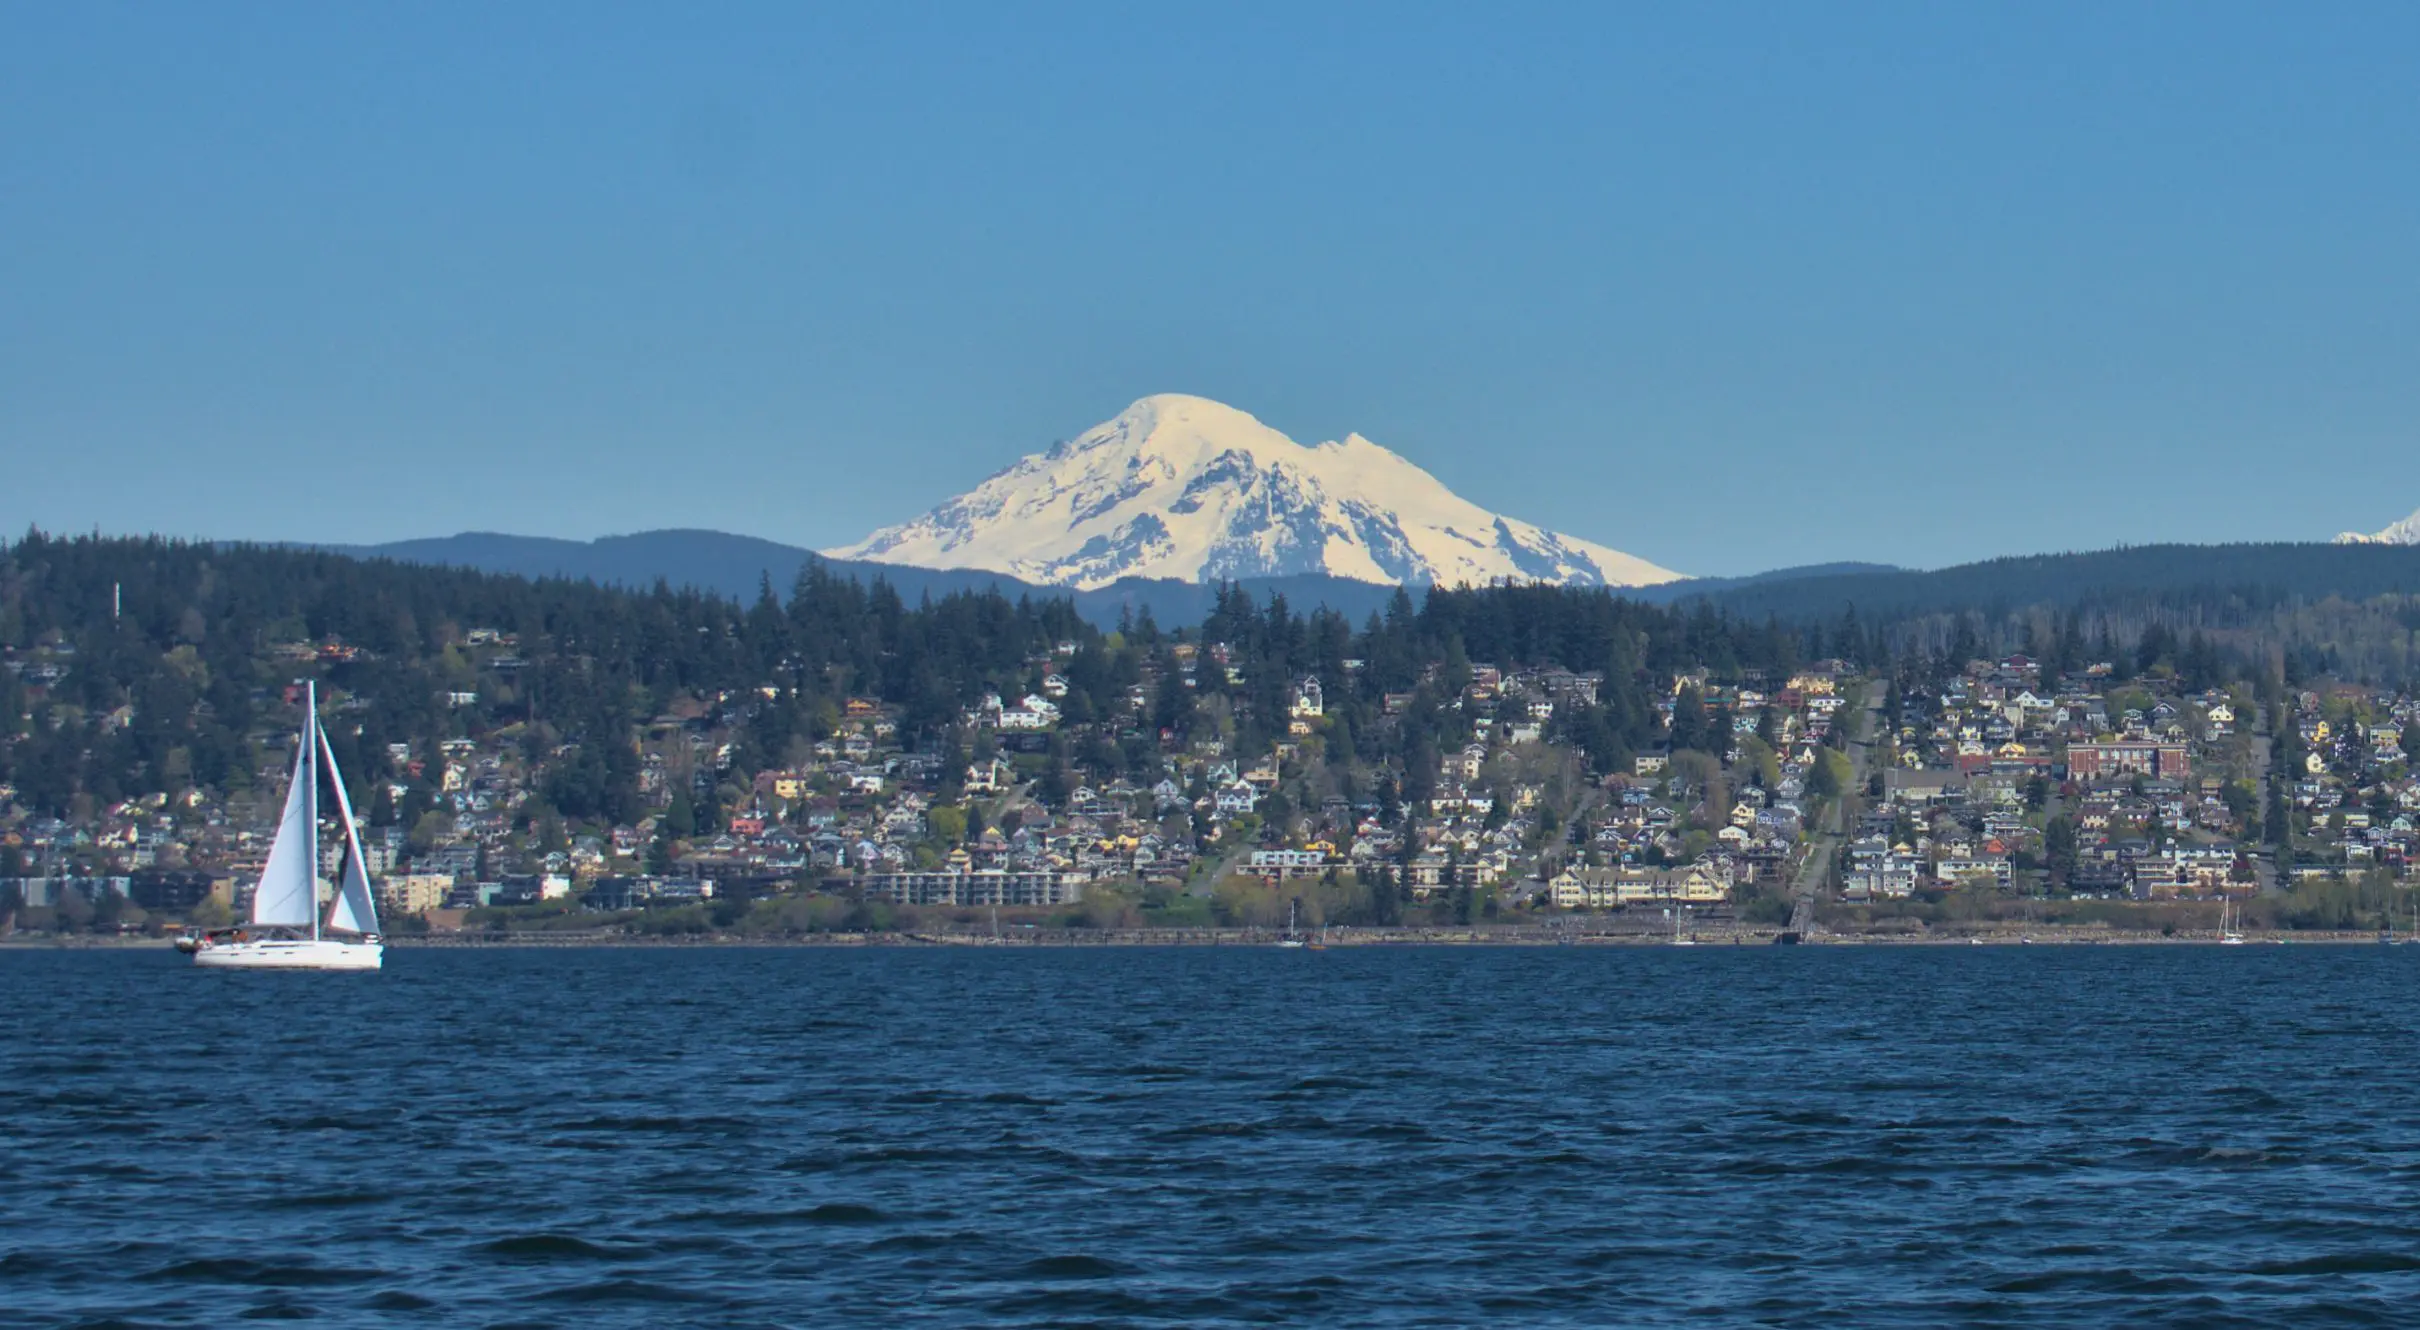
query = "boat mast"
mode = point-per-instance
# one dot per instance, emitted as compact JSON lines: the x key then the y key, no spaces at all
{"x":310,"y":742}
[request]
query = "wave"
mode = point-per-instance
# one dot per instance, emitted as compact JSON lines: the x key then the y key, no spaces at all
{"x":628,"y":1290}
{"x":259,"y":1274}
{"x":539,"y":1247}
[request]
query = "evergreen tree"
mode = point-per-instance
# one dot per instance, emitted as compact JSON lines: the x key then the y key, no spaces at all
{"x":659,"y":850}
{"x":2278,"y":821}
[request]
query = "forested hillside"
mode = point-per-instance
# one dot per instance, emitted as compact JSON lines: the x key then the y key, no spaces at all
{"x":160,"y":662}
{"x":1449,"y":745}
{"x":169,"y":658}
{"x":151,"y":665}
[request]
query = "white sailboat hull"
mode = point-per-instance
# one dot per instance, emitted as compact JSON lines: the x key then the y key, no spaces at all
{"x":299,"y":953}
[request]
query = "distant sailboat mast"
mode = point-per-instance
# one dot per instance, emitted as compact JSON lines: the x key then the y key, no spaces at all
{"x":310,"y":743}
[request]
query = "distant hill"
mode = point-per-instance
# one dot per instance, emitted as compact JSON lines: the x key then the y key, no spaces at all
{"x":735,"y":565}
{"x":2247,"y":572}
{"x":1712,"y":587}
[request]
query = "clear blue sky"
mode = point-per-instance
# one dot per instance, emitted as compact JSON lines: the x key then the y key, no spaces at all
{"x":1729,"y":287}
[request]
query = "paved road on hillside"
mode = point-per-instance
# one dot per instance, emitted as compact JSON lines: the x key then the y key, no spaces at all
{"x":1828,"y":839}
{"x":2272,"y":879}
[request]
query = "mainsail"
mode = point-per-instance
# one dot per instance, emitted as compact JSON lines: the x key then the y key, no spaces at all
{"x":288,"y":895}
{"x":356,"y":911}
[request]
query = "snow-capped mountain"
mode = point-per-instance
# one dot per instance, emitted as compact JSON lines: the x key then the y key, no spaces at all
{"x":2405,"y":532}
{"x":1187,"y":488}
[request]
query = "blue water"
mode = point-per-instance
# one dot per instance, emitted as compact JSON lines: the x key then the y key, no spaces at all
{"x":1808,"y":1136}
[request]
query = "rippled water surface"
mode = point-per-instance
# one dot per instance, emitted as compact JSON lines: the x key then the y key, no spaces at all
{"x":1808,"y":1136}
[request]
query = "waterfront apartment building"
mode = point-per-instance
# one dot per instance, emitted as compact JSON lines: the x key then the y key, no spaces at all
{"x":1279,"y":865}
{"x":982,"y":886}
{"x":415,"y":893}
{"x":1605,"y":888}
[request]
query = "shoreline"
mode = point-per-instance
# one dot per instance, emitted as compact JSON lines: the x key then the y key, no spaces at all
{"x":1067,"y":939}
{"x":1406,"y":939}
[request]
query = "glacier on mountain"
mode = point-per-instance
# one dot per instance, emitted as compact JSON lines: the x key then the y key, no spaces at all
{"x":1191,"y":489}
{"x":2405,"y":532}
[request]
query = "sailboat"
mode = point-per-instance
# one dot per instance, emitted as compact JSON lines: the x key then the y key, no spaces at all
{"x":2227,"y":937}
{"x":1677,"y":939}
{"x":1292,"y":938}
{"x":287,"y":931}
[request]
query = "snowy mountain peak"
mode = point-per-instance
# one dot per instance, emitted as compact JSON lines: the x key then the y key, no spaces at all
{"x":1179,"y":429}
{"x":1184,"y":487}
{"x":2405,"y":532}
